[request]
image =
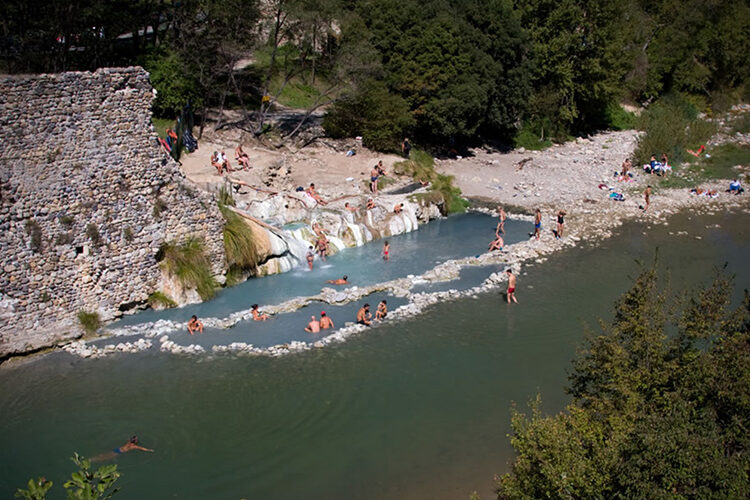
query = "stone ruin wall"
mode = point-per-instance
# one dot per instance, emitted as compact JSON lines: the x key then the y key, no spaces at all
{"x":78,"y":149}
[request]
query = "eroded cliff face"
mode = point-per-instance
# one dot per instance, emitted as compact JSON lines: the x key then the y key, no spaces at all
{"x":88,"y":197}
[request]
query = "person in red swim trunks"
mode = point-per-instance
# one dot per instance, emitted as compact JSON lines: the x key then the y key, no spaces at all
{"x":511,"y":286}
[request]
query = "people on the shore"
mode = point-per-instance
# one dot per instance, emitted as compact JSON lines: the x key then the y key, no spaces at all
{"x":647,"y":197}
{"x":370,"y":203}
{"x":386,"y":250}
{"x":501,"y":220}
{"x":363,"y":315}
{"x":382,"y":310}
{"x":560,"y":224}
{"x":325,"y":321}
{"x":735,"y":187}
{"x":711,"y":193}
{"x":406,"y":147}
{"x":511,"y":293}
{"x":257,"y":315}
{"x":194,"y":325}
{"x":313,"y":326}
{"x":340,"y":281}
{"x":665,"y":167}
{"x":310,"y":257}
{"x":496,"y":244}
{"x":241,"y":157}
{"x":398,"y":208}
{"x":217,"y":163}
{"x":538,"y":224}
{"x":349,"y":207}
{"x":314,"y":194}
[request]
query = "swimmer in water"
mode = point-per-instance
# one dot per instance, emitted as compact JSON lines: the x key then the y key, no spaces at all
{"x":325,"y":321}
{"x":511,"y":286}
{"x":386,"y":250}
{"x":340,"y":281}
{"x":132,"y":444}
{"x":257,"y":315}
{"x":313,"y":326}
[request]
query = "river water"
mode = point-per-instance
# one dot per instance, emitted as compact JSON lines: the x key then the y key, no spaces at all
{"x":413,"y":409}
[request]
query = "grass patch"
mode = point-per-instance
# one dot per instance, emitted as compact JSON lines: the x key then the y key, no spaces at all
{"x":421,"y":166}
{"x":225,"y":198}
{"x":161,"y":125}
{"x":161,"y":299}
{"x":619,"y":118}
{"x":530,"y":138}
{"x":35,"y":235}
{"x":239,"y":245}
{"x":160,"y":206}
{"x":89,"y":321}
{"x":741,"y":124}
{"x":92,"y":233}
{"x":720,"y":165}
{"x":298,"y":94}
{"x":189,"y":263}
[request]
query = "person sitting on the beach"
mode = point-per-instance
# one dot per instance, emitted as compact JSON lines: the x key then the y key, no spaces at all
{"x":340,"y":281}
{"x":656,"y":167}
{"x":325,"y":321}
{"x":349,"y":207}
{"x":735,"y":187}
{"x":665,"y":166}
{"x":194,"y":325}
{"x":370,"y":204}
{"x":241,"y":157}
{"x":363,"y":315}
{"x":382,"y":310}
{"x":314,"y":195}
{"x":496,"y":244}
{"x":313,"y":326}
{"x":225,"y":161}
{"x":216,"y":162}
{"x":257,"y":315}
{"x":310,"y":257}
{"x":398,"y":208}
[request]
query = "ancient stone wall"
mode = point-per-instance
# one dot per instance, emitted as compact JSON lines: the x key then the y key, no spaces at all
{"x":88,"y":197}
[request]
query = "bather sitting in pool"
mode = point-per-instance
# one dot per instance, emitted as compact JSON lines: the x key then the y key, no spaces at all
{"x":313,"y":326}
{"x":257,"y":315}
{"x":325,"y":321}
{"x":195,"y":325}
{"x":340,"y":281}
{"x":497,"y":244}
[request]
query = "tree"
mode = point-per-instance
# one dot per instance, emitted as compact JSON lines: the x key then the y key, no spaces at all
{"x":654,"y":415}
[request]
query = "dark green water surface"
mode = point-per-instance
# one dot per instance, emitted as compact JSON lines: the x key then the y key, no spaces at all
{"x":415,"y":409}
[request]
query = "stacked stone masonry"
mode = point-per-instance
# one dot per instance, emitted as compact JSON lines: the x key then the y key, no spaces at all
{"x":79,"y":156}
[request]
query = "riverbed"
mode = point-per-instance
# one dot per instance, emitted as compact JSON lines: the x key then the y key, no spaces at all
{"x":418,"y":408}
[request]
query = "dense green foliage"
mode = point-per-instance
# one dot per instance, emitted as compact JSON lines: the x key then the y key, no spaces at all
{"x":160,"y":299}
{"x":661,"y":405}
{"x":189,"y":263}
{"x":82,"y":485}
{"x":443,"y":72}
{"x":421,"y":167}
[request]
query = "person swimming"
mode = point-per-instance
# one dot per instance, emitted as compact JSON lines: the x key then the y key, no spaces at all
{"x":340,"y":281}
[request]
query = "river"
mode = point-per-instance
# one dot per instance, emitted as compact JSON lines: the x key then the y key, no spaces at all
{"x":413,"y":409}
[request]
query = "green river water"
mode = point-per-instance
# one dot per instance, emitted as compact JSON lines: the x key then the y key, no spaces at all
{"x":416,"y":409}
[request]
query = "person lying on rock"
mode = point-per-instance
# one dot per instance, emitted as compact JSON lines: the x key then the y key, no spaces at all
{"x":314,"y":195}
{"x":340,"y":281}
{"x":257,"y":315}
{"x":194,"y":325}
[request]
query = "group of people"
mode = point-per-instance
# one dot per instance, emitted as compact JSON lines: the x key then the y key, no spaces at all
{"x":221,"y":163}
{"x":658,"y":167}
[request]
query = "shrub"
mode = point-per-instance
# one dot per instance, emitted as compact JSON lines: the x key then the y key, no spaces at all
{"x":225,"y":197}
{"x":84,"y":483}
{"x":89,"y":321}
{"x":421,"y":166}
{"x":127,"y":233}
{"x":158,"y":298}
{"x":189,"y":263}
{"x":45,"y":297}
{"x":239,"y":245}
{"x":92,"y":233}
{"x":452,"y":200}
{"x":35,"y":235}
{"x":160,"y":206}
{"x":619,"y":118}
{"x":531,"y":136}
{"x":741,"y":124}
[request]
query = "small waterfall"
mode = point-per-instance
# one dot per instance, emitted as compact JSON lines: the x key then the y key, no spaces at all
{"x":357,"y":233}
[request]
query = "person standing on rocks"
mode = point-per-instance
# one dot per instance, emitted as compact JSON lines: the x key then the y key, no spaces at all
{"x":325,"y":321}
{"x":538,"y":224}
{"x":363,"y":315}
{"x":194,"y":325}
{"x":560,"y":224}
{"x":310,"y":258}
{"x":374,"y":174}
{"x":511,"y":294}
{"x":313,"y":326}
{"x":501,"y":224}
{"x":647,"y":197}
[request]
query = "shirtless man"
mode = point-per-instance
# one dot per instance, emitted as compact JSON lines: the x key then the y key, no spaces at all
{"x":363,"y":315}
{"x":194,"y":325}
{"x":322,"y":245}
{"x":647,"y":197}
{"x":497,"y":244}
{"x":325,"y":321}
{"x":310,"y":257}
{"x":382,"y":311}
{"x":374,"y":174}
{"x":370,"y":204}
{"x":349,"y":207}
{"x":386,"y":250}
{"x":313,"y":326}
{"x":132,"y":444}
{"x":257,"y":315}
{"x":511,"y":286}
{"x":501,"y":224}
{"x":340,"y":281}
{"x":538,"y":224}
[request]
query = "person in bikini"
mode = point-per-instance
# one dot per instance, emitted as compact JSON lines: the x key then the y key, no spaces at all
{"x":314,"y":194}
{"x":382,"y":311}
{"x":313,"y":326}
{"x":363,"y":315}
{"x":560,"y":224}
{"x":325,"y":321}
{"x":257,"y":315}
{"x":340,"y":281}
{"x":386,"y":250}
{"x":194,"y":325}
{"x":511,"y":294}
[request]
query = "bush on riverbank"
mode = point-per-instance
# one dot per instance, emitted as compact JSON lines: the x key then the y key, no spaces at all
{"x":421,"y":167}
{"x":239,"y":245}
{"x":161,"y":299}
{"x":661,"y":405}
{"x":189,"y":263}
{"x":89,"y":321}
